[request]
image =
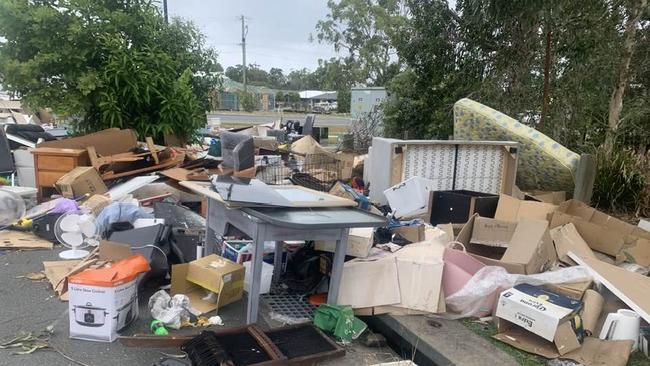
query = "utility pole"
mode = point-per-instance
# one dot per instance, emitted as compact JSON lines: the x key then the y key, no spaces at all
{"x":165,"y":11}
{"x":244,"y":31}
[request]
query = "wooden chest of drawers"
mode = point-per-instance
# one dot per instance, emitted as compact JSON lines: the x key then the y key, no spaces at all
{"x":51,"y":163}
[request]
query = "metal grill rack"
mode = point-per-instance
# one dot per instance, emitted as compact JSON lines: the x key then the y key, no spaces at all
{"x":294,"y":306}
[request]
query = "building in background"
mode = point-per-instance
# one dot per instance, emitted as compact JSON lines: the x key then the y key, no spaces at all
{"x":229,"y":97}
{"x":365,"y":99}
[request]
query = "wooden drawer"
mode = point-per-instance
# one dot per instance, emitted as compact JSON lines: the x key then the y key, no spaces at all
{"x":56,"y":163}
{"x":48,"y":179}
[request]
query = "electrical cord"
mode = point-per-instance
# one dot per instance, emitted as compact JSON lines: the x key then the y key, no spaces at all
{"x":153,"y":246}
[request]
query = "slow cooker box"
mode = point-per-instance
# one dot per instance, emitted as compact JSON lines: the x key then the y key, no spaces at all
{"x":104,"y":301}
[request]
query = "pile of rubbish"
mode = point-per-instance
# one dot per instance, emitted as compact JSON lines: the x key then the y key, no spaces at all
{"x":557,"y":277}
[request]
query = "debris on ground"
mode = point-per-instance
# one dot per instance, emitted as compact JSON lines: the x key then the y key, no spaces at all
{"x":426,"y":231}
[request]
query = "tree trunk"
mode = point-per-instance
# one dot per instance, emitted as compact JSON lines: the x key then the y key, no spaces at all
{"x":547,"y":71}
{"x":622,"y":79}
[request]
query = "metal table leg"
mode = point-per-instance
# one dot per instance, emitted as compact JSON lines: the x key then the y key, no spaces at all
{"x":210,"y":234}
{"x":256,"y":274}
{"x":337,"y":267}
{"x":277,"y":261}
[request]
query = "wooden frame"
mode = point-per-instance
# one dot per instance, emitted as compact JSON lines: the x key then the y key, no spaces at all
{"x":277,"y":357}
{"x":205,"y":189}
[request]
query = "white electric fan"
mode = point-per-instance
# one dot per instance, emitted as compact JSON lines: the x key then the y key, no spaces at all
{"x":76,"y":230}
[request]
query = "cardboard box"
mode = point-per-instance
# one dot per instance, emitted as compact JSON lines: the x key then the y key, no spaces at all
{"x":567,"y":239}
{"x":512,"y":209}
{"x":104,"y":301}
{"x":529,"y":250}
{"x":492,"y":232}
{"x":457,"y":207}
{"x":605,"y":233}
{"x":544,"y":313}
{"x":213,"y":273}
{"x":106,"y":142}
{"x":360,"y":241}
{"x":552,"y":197}
{"x":413,"y":233}
{"x":80,"y":181}
{"x":238,"y":251}
{"x":96,"y":203}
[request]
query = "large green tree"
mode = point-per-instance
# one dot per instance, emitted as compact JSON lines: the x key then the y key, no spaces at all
{"x":107,"y":63}
{"x":362,"y":30}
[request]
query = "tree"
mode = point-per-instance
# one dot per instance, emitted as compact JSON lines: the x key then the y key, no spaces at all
{"x":335,"y":74}
{"x":280,"y":97}
{"x":235,"y":73}
{"x":363,"y":29}
{"x":301,"y":79}
{"x":634,"y":12}
{"x":276,"y":78}
{"x":421,"y":97}
{"x":110,"y":63}
{"x":254,"y":74}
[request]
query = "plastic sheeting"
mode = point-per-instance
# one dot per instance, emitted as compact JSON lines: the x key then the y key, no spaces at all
{"x":488,"y":281}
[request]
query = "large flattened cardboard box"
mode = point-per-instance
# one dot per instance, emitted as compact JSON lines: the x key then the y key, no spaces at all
{"x":523,"y":247}
{"x":546,"y":314}
{"x":104,"y":301}
{"x":212,"y":273}
{"x":80,"y":181}
{"x":106,"y":142}
{"x":604,"y":233}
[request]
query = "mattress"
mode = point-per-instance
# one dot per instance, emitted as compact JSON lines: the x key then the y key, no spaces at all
{"x":543,"y":163}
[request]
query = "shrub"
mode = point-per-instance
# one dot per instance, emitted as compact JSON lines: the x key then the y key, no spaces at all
{"x":621,"y":181}
{"x":248,"y":101}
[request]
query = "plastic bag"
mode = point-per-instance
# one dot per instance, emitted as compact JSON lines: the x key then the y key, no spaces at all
{"x":12,"y":208}
{"x":478,"y":296}
{"x":169,"y":310}
{"x":120,"y":212}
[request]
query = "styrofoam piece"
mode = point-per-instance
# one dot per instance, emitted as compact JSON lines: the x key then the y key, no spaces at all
{"x":267,"y":276}
{"x":644,"y":224}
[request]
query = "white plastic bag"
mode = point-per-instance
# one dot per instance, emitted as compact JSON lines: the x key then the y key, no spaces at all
{"x":169,"y":310}
{"x":478,"y":296}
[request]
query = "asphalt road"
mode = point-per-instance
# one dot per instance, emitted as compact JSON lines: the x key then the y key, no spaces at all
{"x":30,"y":306}
{"x":324,"y":120}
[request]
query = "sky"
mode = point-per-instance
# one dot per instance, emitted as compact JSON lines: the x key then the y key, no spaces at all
{"x":278,"y":30}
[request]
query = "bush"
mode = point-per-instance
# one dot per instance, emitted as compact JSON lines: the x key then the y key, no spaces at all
{"x":621,"y":181}
{"x":248,"y":101}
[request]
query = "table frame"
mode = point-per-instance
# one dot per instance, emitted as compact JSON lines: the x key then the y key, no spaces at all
{"x":220,"y":218}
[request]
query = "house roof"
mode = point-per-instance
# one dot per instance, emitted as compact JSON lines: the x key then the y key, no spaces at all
{"x":317,"y":94}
